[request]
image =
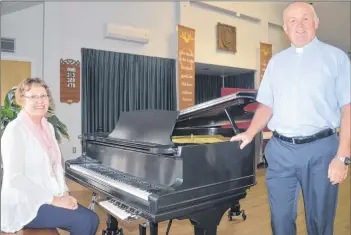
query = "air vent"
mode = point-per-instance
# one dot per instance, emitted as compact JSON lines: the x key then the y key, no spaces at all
{"x":8,"y":45}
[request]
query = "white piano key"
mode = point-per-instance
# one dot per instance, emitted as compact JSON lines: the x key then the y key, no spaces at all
{"x":113,"y":183}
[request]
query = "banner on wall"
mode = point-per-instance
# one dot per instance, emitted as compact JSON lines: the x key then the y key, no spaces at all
{"x":186,"y":67}
{"x":265,"y":56}
{"x":69,"y":81}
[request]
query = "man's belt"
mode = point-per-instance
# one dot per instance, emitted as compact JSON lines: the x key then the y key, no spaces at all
{"x":305,"y":139}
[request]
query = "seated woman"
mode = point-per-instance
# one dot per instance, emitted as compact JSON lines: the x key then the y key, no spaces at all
{"x":34,"y":192}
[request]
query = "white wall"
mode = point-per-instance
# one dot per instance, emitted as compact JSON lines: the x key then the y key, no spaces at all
{"x":278,"y":38}
{"x":265,"y":11}
{"x":26,"y":26}
{"x":335,"y":23}
{"x":204,"y":20}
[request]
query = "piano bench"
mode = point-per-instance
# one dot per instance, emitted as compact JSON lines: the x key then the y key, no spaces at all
{"x":34,"y":232}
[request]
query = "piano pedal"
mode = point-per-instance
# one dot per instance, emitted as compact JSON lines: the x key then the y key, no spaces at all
{"x":94,"y":199}
{"x":153,"y":228}
{"x":112,"y":227}
{"x":235,"y":211}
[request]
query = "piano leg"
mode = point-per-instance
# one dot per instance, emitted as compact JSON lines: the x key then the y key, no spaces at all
{"x":236,"y":211}
{"x":112,"y":227}
{"x":206,"y":222}
{"x":202,"y":231}
{"x":142,"y":229}
{"x":153,"y":228}
{"x":235,"y":208}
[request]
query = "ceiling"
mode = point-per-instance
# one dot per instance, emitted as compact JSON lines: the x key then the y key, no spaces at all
{"x":10,"y":6}
{"x":218,"y":70}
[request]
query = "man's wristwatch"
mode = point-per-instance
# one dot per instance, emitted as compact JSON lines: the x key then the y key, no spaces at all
{"x":345,"y":160}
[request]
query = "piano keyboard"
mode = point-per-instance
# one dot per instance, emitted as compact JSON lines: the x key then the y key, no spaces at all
{"x":108,"y":179}
{"x":119,"y":210}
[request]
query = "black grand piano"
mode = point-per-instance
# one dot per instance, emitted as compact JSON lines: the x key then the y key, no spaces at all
{"x":165,"y":165}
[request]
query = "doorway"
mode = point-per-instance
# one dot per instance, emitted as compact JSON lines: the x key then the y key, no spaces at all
{"x":12,"y":73}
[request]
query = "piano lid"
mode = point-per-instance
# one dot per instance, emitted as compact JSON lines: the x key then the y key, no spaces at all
{"x":155,"y":127}
{"x":214,"y":112}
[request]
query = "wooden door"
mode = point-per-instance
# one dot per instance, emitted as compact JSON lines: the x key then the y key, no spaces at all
{"x":12,"y":73}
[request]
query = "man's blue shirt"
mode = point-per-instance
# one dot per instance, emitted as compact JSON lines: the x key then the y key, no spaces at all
{"x":306,"y":88}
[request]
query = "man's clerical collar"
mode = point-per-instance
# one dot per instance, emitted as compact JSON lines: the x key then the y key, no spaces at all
{"x":300,"y":50}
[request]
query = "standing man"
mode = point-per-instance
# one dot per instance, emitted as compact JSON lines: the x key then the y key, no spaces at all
{"x":304,"y":96}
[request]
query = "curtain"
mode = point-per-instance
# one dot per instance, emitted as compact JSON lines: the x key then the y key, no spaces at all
{"x":207,"y":87}
{"x":115,"y":82}
{"x":244,"y":80}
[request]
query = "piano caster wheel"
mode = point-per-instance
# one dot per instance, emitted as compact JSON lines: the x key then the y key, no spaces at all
{"x":243,"y":214}
{"x":236,"y":213}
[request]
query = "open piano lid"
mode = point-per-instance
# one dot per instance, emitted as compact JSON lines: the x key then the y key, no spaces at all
{"x":215,"y":112}
{"x":155,"y":127}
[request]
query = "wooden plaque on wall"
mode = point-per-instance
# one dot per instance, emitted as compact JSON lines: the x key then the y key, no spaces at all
{"x":265,"y":56}
{"x":69,"y":81}
{"x":226,"y":37}
{"x":186,"y":67}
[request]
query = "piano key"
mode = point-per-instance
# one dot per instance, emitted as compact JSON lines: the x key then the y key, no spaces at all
{"x":111,"y":182}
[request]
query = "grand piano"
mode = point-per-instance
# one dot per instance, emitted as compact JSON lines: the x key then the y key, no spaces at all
{"x":158,"y":165}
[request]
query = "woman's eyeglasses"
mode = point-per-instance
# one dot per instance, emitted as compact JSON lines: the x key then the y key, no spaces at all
{"x":37,"y":97}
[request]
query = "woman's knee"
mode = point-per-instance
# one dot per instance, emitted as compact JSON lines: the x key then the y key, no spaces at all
{"x":86,"y":221}
{"x":94,"y":220}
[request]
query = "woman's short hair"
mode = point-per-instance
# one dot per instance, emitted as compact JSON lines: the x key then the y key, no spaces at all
{"x":26,"y":85}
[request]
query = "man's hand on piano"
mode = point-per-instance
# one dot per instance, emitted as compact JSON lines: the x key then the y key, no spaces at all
{"x":67,"y":202}
{"x":245,"y":138}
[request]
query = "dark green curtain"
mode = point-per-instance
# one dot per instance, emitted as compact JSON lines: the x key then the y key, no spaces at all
{"x":115,"y":82}
{"x":244,"y":80}
{"x":207,"y":87}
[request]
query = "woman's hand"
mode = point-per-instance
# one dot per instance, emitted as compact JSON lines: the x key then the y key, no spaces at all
{"x":67,"y":202}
